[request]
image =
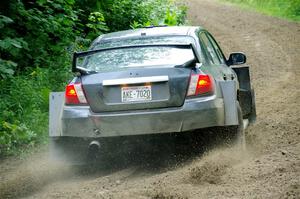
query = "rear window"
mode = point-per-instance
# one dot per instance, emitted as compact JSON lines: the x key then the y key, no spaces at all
{"x":118,"y":59}
{"x":146,"y":56}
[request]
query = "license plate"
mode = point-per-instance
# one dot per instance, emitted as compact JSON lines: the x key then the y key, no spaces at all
{"x":136,"y":93}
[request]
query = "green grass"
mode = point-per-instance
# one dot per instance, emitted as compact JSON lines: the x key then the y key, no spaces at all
{"x":288,"y":9}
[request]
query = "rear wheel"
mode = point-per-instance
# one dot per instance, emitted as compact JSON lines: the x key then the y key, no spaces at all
{"x":236,"y":134}
{"x":231,"y":135}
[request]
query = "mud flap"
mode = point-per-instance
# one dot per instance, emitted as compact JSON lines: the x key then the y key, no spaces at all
{"x":246,"y":95}
{"x":252,"y":116}
{"x":56,"y":102}
{"x":229,"y":96}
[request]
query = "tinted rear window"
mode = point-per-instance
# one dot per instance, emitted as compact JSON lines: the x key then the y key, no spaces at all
{"x":146,"y":56}
{"x":120,"y":59}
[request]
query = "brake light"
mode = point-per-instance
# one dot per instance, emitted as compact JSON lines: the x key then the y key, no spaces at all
{"x":200,"y":85}
{"x":74,"y":94}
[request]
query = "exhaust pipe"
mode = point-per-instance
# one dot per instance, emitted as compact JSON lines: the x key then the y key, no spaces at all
{"x":94,"y":147}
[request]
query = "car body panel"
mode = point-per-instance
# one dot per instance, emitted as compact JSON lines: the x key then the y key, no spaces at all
{"x":79,"y":121}
{"x":170,"y":93}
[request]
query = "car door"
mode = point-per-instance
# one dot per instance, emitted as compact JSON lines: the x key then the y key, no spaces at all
{"x":216,"y":57}
{"x":227,"y":71}
{"x":245,"y":94}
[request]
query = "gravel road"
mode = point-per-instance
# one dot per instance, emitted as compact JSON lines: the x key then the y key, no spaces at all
{"x":270,"y":168}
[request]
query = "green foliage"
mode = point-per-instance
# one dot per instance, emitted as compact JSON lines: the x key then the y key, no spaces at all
{"x":7,"y":68}
{"x":288,"y":9}
{"x":96,"y":24}
{"x":12,"y":133}
{"x":121,"y":14}
{"x":36,"y":44}
{"x":171,"y":18}
{"x":5,"y":20}
{"x":34,"y":59}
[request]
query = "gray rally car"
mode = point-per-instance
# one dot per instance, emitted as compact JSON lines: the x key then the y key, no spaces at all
{"x":151,"y":80}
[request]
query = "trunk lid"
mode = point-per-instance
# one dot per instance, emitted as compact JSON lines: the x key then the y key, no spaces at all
{"x":136,"y":89}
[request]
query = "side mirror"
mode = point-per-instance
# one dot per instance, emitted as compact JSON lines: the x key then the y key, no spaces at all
{"x":236,"y":59}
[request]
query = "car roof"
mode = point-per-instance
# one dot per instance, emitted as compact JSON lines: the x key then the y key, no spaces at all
{"x":149,"y":31}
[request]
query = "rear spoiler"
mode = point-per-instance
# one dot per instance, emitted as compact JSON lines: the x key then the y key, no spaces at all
{"x":82,"y":70}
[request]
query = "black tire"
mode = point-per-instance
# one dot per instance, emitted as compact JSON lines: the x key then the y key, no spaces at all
{"x":235,"y":135}
{"x":240,"y":138}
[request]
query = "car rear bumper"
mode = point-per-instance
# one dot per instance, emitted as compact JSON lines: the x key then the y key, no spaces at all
{"x":79,"y":121}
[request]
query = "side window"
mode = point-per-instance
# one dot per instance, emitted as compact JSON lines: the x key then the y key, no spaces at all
{"x":217,"y":49}
{"x":211,"y":53}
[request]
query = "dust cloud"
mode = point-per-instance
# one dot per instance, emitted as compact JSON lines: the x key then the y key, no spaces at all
{"x":23,"y":177}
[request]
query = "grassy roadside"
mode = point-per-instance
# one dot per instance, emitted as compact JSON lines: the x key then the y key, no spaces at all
{"x":288,"y":9}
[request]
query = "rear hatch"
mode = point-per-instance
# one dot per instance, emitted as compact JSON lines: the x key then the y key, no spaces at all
{"x":135,"y":77}
{"x":136,"y":89}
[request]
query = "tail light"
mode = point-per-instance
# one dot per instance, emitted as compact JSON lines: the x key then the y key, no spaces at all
{"x":200,"y":84}
{"x":74,"y":94}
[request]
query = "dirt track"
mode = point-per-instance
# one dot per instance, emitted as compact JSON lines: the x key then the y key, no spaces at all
{"x":269,"y":169}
